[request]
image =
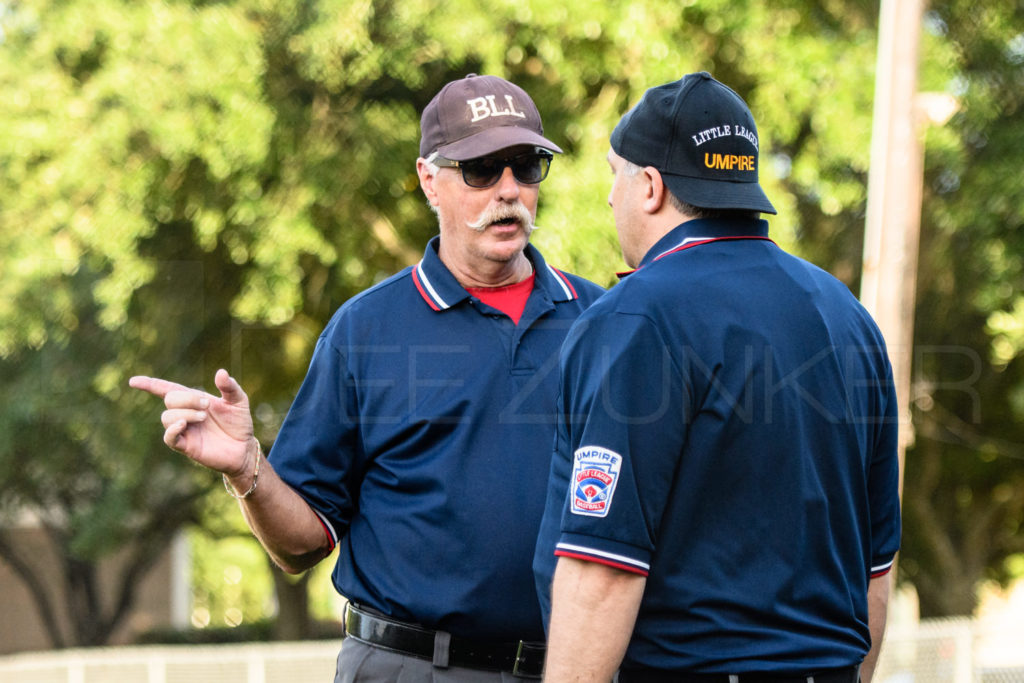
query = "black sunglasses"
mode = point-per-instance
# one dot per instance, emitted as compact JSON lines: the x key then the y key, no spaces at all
{"x":529,"y":168}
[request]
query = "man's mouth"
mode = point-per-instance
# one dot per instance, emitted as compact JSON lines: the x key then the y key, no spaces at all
{"x":509,"y":220}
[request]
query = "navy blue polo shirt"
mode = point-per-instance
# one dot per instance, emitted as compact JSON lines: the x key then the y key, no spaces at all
{"x":730,"y":433}
{"x":422,"y":435}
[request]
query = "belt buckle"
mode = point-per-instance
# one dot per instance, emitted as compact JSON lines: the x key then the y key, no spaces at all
{"x":522,"y":652}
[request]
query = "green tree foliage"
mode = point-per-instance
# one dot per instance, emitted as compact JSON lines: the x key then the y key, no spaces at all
{"x":187,"y":185}
{"x":964,"y":480}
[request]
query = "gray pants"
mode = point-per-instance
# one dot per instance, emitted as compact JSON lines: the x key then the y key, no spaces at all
{"x":362,"y":663}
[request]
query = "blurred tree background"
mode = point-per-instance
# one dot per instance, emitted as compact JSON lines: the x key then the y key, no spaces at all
{"x":187,"y":185}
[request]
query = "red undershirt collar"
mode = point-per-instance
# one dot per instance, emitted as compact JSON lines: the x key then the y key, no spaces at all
{"x":510,"y":299}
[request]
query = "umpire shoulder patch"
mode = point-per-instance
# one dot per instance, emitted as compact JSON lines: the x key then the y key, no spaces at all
{"x":594,"y":476}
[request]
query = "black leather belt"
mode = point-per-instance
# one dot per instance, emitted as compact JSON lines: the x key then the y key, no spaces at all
{"x":523,"y":659}
{"x":848,"y":674}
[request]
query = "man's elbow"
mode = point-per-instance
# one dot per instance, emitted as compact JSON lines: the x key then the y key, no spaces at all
{"x":297,"y":563}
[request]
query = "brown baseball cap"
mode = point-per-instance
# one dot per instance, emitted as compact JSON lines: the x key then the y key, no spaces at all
{"x":479,"y":115}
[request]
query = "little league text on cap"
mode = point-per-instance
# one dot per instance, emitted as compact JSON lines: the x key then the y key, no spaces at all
{"x":724,"y":130}
{"x":728,"y":162}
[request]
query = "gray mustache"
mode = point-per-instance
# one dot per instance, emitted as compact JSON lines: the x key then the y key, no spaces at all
{"x":501,"y":212}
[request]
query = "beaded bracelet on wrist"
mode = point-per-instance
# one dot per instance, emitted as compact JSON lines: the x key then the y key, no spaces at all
{"x":255,"y":476}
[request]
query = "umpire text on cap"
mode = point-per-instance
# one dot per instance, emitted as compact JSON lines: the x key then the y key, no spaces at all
{"x":479,"y":115}
{"x":701,"y":137}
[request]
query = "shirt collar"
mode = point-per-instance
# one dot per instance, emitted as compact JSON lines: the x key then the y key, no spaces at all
{"x":440,"y":290}
{"x":702,"y":230}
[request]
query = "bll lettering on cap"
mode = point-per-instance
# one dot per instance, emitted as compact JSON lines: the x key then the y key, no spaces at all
{"x":479,"y":115}
{"x":483,"y":107}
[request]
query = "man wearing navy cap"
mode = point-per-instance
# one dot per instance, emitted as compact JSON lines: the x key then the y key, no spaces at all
{"x":420,"y":440}
{"x":723,"y":504}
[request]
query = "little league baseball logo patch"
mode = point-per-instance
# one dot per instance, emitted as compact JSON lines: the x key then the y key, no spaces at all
{"x":594,"y":475}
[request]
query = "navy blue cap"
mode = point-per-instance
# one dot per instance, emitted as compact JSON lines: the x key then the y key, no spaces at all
{"x":701,"y":137}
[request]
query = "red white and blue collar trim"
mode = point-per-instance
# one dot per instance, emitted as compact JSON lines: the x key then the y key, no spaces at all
{"x":691,"y":242}
{"x":440,"y":290}
{"x":563,"y":282}
{"x":426,"y":289}
{"x":697,"y":241}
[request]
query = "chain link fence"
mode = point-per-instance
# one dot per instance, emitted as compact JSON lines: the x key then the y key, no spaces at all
{"x":951,"y":651}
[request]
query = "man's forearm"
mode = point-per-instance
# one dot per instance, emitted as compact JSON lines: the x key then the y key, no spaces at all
{"x":285,"y":525}
{"x":594,"y":609}
{"x":878,"y":606}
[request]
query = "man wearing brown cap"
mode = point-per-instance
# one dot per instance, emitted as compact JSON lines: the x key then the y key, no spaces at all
{"x":724,"y":505}
{"x":420,"y":440}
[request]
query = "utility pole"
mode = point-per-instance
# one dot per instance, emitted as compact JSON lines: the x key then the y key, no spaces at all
{"x":895,"y":182}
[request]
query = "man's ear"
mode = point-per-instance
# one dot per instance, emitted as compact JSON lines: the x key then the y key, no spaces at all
{"x":427,"y":178}
{"x":654,"y":190}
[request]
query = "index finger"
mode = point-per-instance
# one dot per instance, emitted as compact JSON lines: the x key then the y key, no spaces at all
{"x":154,"y":385}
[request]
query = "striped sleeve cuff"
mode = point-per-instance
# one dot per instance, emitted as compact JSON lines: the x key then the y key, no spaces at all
{"x":882,"y":568}
{"x":604,"y":557}
{"x":332,"y":535}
